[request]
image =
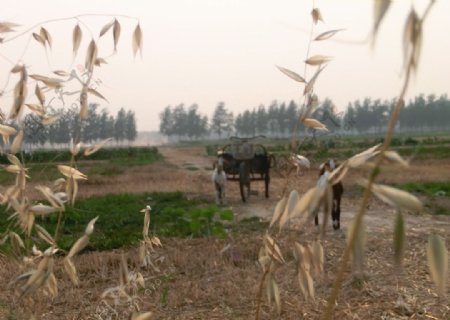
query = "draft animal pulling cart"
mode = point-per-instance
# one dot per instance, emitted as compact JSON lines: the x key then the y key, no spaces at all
{"x":245,"y":161}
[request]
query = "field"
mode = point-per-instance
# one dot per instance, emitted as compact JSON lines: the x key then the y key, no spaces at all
{"x":194,"y":278}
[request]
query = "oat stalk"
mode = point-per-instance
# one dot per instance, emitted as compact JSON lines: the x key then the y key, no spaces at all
{"x":328,"y":314}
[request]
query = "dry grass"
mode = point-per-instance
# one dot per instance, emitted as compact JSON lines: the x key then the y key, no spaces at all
{"x":197,"y":282}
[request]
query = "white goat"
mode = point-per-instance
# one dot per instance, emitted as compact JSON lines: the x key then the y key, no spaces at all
{"x":300,"y":162}
{"x":219,"y":179}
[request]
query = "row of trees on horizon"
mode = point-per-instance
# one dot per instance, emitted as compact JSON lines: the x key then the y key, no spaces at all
{"x":99,"y":125}
{"x":421,"y":114}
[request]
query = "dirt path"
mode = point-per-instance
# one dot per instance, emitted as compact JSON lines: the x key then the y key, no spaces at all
{"x":379,"y":216}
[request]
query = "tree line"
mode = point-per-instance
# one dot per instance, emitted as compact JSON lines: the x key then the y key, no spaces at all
{"x":278,"y":119}
{"x":99,"y":125}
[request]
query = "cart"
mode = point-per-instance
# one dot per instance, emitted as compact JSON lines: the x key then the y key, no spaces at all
{"x":245,"y":161}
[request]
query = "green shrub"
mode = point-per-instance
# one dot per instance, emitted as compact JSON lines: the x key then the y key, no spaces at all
{"x":120,"y":222}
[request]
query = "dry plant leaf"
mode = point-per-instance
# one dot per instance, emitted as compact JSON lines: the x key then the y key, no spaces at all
{"x":396,"y":197}
{"x":96,"y":147}
{"x":39,"y":38}
{"x":100,"y":61}
{"x":7,"y":26}
{"x":6,"y":131}
{"x":273,"y":250}
{"x":394,"y":157}
{"x":338,"y":174}
{"x":14,"y":160}
{"x":399,"y":239}
{"x":124,"y":274}
{"x":44,"y":235}
{"x":276,"y":294}
{"x":51,"y":197}
{"x":53,"y":83}
{"x":301,"y":161}
{"x":304,"y":203}
{"x":263,"y":259}
{"x":36,"y":108}
{"x":46,"y":36}
{"x":412,"y":39}
{"x":306,"y":283}
{"x":90,"y":226}
{"x":20,"y":94}
{"x":437,"y":256}
{"x":116,"y":34}
{"x":16,"y":241}
{"x":361,"y":158}
{"x":137,"y":40}
{"x":40,"y":276}
{"x":79,"y":245}
{"x":316,"y":15}
{"x":74,"y":147}
{"x":106,"y":28}
{"x":77,"y":35}
{"x":91,"y":56}
{"x":71,"y":271}
{"x":327,"y":35}
{"x":318,"y":256}
{"x":17,"y":68}
{"x":141,"y":316}
{"x":42,"y":209}
{"x":279,"y":209}
{"x":146,"y":222}
{"x":380,"y":9}
{"x":97,"y":94}
{"x":17,"y":143}
{"x":13,"y":168}
{"x":318,"y":59}
{"x":70,"y":172}
{"x":290,"y":205}
{"x":359,"y":245}
{"x":61,"y":73}
{"x":52,"y":285}
{"x":292,"y":74}
{"x":315,"y":124}
{"x":310,"y":85}
{"x":49,"y":119}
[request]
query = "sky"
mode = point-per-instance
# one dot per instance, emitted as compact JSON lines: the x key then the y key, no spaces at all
{"x":207,"y":51}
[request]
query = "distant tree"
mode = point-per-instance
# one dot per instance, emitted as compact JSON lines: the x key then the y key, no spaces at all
{"x":179,"y":118}
{"x":261,"y":120}
{"x":106,"y":125}
{"x":130,"y":126}
{"x":120,"y":126}
{"x":92,"y":124}
{"x":167,"y":122}
{"x":272,"y":116}
{"x":222,"y":120}
{"x":197,"y":125}
{"x":35,"y":132}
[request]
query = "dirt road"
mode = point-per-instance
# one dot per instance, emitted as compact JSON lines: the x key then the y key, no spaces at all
{"x":379,"y":216}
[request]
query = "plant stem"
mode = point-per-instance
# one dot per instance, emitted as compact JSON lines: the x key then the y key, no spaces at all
{"x":367,"y":192}
{"x":259,"y":296}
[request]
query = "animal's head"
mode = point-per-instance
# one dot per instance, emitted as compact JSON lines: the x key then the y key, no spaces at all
{"x":328,"y":165}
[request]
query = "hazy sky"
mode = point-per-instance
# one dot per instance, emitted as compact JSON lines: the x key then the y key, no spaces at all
{"x":206,"y":51}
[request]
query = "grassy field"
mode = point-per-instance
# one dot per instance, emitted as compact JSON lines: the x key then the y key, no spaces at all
{"x":120,"y":220}
{"x":208,"y":265}
{"x":41,"y":164}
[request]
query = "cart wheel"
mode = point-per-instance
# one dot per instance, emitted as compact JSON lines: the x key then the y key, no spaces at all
{"x":244,"y":181}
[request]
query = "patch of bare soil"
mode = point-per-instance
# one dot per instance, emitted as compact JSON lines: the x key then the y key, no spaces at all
{"x":197,"y":281}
